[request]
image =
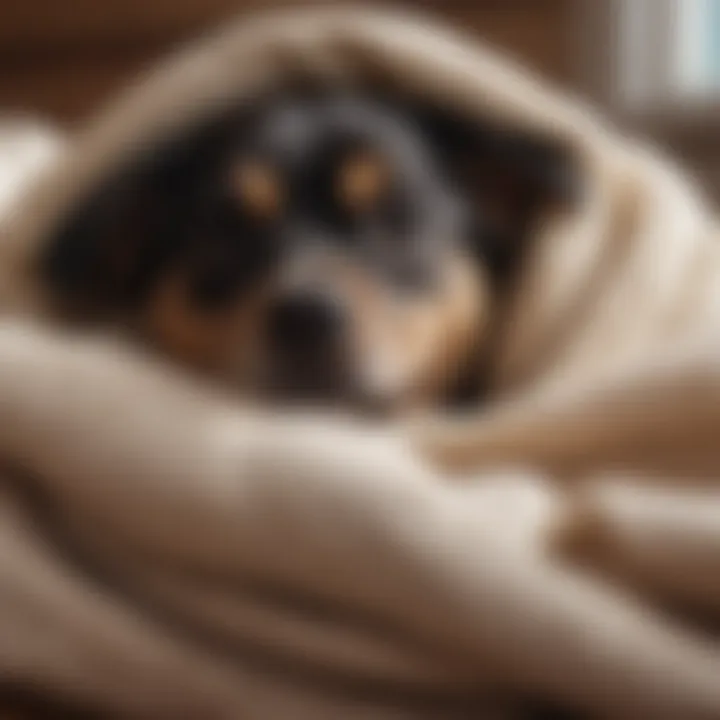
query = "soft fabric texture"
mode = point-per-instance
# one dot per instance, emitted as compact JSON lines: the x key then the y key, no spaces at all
{"x":167,"y":552}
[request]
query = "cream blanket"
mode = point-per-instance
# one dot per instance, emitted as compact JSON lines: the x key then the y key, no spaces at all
{"x":168,"y":553}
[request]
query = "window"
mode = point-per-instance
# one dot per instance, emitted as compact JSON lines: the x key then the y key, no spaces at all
{"x":697,"y":48}
{"x":654,"y":55}
{"x":654,"y":65}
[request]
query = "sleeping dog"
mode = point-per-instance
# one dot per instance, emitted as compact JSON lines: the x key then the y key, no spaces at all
{"x":321,"y":247}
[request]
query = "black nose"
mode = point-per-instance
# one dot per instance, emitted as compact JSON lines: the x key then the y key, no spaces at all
{"x":307,"y":323}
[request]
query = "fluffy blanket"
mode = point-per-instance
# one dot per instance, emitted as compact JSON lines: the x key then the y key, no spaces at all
{"x":167,"y":552}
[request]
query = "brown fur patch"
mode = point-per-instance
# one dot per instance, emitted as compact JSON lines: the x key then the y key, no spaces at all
{"x":258,"y":187}
{"x":210,"y":342}
{"x":362,"y":180}
{"x":426,"y":341}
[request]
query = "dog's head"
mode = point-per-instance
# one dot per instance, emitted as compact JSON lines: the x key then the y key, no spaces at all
{"x":322,"y":246}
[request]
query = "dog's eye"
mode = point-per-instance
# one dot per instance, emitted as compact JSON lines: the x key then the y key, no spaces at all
{"x":257,"y":186}
{"x":362,"y":181}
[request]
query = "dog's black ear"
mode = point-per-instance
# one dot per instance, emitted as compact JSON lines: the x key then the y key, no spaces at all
{"x":106,"y":252}
{"x":507,"y":177}
{"x":89,"y":264}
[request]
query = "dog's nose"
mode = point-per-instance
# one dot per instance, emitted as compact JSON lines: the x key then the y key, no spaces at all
{"x":305,"y":322}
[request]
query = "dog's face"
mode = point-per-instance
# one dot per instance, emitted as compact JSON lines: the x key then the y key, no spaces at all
{"x":324,"y":260}
{"x":321,"y":248}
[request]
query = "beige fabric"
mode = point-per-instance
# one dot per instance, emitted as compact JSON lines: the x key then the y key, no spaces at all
{"x":168,"y":553}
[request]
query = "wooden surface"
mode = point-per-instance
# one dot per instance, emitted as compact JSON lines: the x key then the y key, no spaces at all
{"x":65,"y":57}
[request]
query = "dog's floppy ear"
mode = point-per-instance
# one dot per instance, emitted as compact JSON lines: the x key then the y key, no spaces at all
{"x":507,"y":178}
{"x":89,"y":264}
{"x":107,"y":250}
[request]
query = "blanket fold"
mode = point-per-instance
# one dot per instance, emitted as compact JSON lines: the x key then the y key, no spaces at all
{"x":169,"y":552}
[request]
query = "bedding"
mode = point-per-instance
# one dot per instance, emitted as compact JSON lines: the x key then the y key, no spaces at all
{"x":170,"y":552}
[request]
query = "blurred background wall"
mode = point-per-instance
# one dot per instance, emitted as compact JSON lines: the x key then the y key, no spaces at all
{"x":654,"y":64}
{"x":63,"y":57}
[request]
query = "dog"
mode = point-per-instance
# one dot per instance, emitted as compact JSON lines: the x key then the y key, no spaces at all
{"x":336,"y":248}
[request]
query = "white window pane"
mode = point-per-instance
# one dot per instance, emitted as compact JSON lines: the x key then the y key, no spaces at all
{"x":697,"y":47}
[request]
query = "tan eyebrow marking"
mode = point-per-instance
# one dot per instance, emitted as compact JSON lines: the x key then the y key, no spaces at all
{"x":258,"y":186}
{"x":362,"y":180}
